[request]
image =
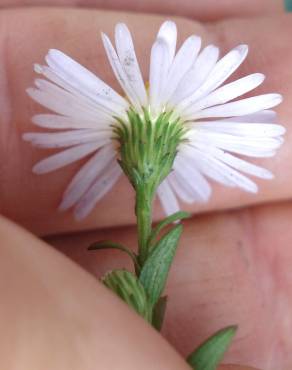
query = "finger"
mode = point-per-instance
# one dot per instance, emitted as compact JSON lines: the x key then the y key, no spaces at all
{"x":32,"y":200}
{"x":56,"y":316}
{"x":202,"y":10}
{"x":230,"y":268}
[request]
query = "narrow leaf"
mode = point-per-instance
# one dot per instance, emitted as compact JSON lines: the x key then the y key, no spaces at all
{"x":159,"y":313}
{"x":167,"y":221}
{"x":155,"y":270}
{"x":107,"y":244}
{"x":130,"y":290}
{"x":210,"y":353}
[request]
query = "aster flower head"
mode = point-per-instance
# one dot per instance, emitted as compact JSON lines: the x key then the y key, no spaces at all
{"x":185,"y":129}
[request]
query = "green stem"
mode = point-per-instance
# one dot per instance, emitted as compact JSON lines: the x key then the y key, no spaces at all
{"x":144,"y":200}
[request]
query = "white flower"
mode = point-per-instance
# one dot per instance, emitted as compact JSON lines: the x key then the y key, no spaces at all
{"x":189,"y":84}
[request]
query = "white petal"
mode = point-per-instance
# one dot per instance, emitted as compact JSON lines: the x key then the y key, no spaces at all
{"x":63,"y":102}
{"x":264,"y":116}
{"x":249,"y":146}
{"x":240,"y":107}
{"x":167,"y":198}
{"x":222,"y":70}
{"x":168,"y":32}
{"x":127,"y":56}
{"x":159,"y":65}
{"x":235,"y":162}
{"x":241,"y":128}
{"x":216,"y":138}
{"x":52,"y":76}
{"x":182,"y":189}
{"x":66,"y":157}
{"x":119,"y":72}
{"x":186,"y":169}
{"x":243,"y":166}
{"x":212,"y":171}
{"x":181,"y":64}
{"x":238,"y":144}
{"x":103,"y":106}
{"x":86,"y":176}
{"x":83,"y":81}
{"x":102,"y":186}
{"x":55,"y":121}
{"x":220,"y":172}
{"x":197,"y":74}
{"x":228,"y":92}
{"x":65,"y":139}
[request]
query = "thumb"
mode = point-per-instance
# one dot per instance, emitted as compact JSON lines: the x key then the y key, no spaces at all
{"x":58,"y":317}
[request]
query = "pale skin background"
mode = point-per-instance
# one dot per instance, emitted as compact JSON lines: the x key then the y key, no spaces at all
{"x":234,"y":262}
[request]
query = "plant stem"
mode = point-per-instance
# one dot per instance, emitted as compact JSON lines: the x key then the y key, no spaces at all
{"x":143,"y":210}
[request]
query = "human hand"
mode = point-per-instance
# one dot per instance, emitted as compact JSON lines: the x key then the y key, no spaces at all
{"x":232,"y":267}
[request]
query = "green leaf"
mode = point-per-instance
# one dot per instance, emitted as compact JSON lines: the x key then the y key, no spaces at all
{"x":210,"y":353}
{"x":167,"y":221}
{"x":159,"y":312}
{"x":107,"y":244}
{"x":130,"y":290}
{"x":155,"y":270}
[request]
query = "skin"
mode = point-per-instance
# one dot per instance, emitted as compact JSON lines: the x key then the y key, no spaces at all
{"x":233,"y":264}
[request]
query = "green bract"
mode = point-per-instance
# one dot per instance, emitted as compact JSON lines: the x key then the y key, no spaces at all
{"x":148,"y":147}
